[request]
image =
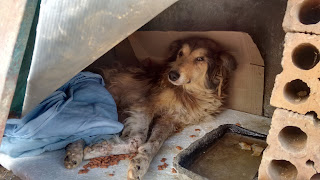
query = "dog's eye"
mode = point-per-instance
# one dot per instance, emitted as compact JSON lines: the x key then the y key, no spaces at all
{"x":200,"y":59}
{"x":180,"y":53}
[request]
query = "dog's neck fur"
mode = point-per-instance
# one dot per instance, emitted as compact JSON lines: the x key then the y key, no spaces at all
{"x":189,"y":103}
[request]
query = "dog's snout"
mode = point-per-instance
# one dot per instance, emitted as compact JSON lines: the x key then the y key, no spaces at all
{"x":174,"y":75}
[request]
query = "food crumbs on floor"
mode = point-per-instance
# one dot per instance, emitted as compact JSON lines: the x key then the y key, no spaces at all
{"x":178,"y":130}
{"x":245,"y":146}
{"x":173,"y":170}
{"x":165,"y":165}
{"x":238,"y":124}
{"x":83,"y":171}
{"x":179,"y":148}
{"x":196,"y":129}
{"x":192,"y":136}
{"x":163,"y":159}
{"x":111,"y":174}
{"x":105,"y":162}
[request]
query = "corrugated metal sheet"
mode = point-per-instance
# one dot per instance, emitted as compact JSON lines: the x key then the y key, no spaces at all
{"x":72,"y":34}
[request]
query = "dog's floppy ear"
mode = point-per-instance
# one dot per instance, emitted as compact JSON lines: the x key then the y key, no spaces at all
{"x":174,"y":47}
{"x":227,"y":61}
{"x":220,"y":70}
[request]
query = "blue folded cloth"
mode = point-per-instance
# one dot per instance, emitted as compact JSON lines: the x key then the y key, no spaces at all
{"x":80,"y":109}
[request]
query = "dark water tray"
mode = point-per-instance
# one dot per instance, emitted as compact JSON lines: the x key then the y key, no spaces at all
{"x":187,"y":158}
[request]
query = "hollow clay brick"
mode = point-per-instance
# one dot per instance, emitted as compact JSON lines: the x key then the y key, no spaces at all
{"x":295,"y":98}
{"x":302,"y":16}
{"x":298,"y":152}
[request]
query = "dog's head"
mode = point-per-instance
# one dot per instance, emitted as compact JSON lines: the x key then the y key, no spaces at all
{"x":198,"y":60}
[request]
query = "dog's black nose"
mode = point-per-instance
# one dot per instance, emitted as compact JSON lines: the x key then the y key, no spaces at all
{"x":174,"y":75}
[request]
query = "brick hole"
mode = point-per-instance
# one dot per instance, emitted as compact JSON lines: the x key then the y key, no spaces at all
{"x":305,"y":56}
{"x":282,"y":169}
{"x":296,"y":91}
{"x":310,"y":12}
{"x":310,"y":163}
{"x":315,"y":177}
{"x":293,"y":138}
{"x":316,"y":120}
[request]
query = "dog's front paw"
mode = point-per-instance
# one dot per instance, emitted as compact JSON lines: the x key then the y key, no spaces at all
{"x":74,"y":154}
{"x":73,"y":160}
{"x":138,"y":166}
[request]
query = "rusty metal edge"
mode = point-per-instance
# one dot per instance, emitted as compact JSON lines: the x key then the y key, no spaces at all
{"x":24,"y":20}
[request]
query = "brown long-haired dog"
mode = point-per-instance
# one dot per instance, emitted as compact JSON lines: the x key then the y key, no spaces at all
{"x":190,"y":87}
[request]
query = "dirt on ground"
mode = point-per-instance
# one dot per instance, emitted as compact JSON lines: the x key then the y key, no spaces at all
{"x":7,"y":175}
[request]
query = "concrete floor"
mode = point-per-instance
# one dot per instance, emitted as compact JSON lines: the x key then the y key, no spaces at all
{"x":50,"y":165}
{"x":262,"y":19}
{"x":7,"y":175}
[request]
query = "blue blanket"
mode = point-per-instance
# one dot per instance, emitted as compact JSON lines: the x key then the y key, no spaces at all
{"x":80,"y":109}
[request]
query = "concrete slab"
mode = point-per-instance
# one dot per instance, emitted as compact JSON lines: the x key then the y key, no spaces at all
{"x":50,"y":165}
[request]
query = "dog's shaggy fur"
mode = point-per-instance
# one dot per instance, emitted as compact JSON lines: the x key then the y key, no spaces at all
{"x":187,"y":89}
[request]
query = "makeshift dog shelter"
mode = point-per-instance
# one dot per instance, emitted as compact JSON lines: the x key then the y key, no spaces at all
{"x":71,"y":35}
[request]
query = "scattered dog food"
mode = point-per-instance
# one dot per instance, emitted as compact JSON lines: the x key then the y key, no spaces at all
{"x":245,"y":146}
{"x":192,"y":136}
{"x":179,"y":148}
{"x":257,"y":150}
{"x":83,"y":171}
{"x":238,"y":124}
{"x":179,"y":130}
{"x":105,"y":162}
{"x":196,"y":129}
{"x":173,"y":170}
{"x":111,"y":175}
{"x":163,"y":159}
{"x":163,"y":166}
